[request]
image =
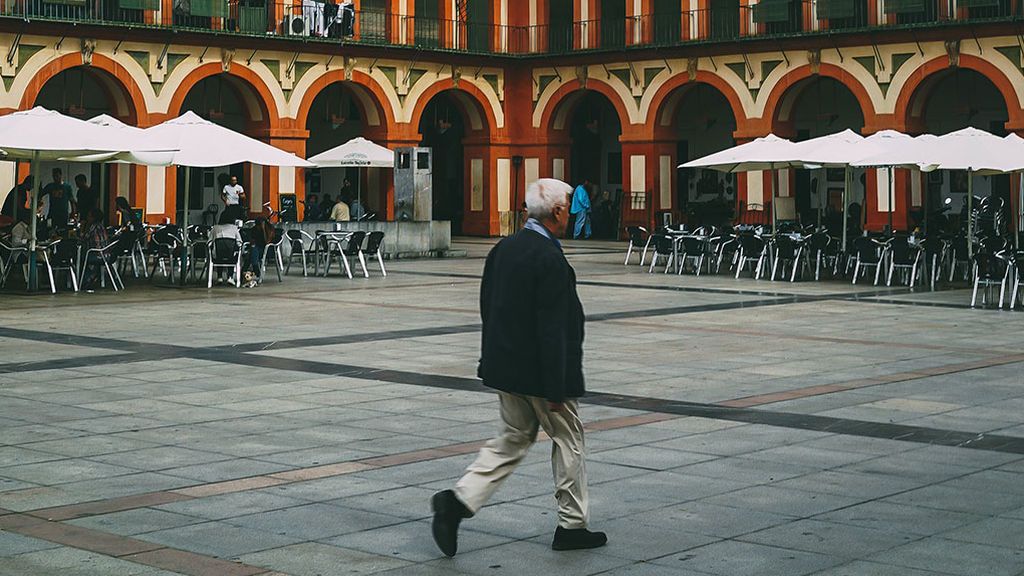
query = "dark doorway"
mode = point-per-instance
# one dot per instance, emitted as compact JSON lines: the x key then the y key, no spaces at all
{"x":442,"y":127}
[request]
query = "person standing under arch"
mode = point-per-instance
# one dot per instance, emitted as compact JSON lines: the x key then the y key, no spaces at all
{"x":232,"y":195}
{"x":581,"y":210}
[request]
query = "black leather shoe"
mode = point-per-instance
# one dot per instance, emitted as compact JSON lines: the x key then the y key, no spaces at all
{"x":579,"y":539}
{"x":448,"y":513}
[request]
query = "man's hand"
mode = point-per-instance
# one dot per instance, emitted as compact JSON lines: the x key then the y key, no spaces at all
{"x":556,"y":406}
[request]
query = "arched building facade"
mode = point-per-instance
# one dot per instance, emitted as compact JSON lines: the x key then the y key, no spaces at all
{"x":518,"y":91}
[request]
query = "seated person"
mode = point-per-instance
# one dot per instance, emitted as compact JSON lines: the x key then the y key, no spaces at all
{"x":94,"y":236}
{"x":312,"y":204}
{"x":263,"y":233}
{"x":340,"y":212}
{"x":226,"y":230}
{"x":356,"y":209}
{"x":129,"y":219}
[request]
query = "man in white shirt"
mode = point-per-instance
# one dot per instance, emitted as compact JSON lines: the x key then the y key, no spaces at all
{"x":232,"y":195}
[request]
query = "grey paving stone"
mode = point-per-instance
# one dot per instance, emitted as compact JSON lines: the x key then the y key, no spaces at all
{"x":732,"y":558}
{"x":219,"y":539}
{"x":865,"y":486}
{"x":900,"y":518}
{"x":829,"y":538}
{"x":226,"y":470}
{"x":314,"y":521}
{"x":782,"y":500}
{"x":747,"y":470}
{"x":73,"y":562}
{"x":650,"y":457}
{"x":411,"y":502}
{"x":231,"y":505}
{"x":331,"y":488}
{"x":862,"y":568}
{"x":314,"y":558}
{"x":63,"y":471}
{"x":412,"y":541}
{"x":950,"y":498}
{"x":1003,"y":532}
{"x":952,"y":557}
{"x":512,"y":520}
{"x":160,"y":458}
{"x":131,"y":522}
{"x":517,"y":558}
{"x":12,"y":544}
{"x":711,"y":519}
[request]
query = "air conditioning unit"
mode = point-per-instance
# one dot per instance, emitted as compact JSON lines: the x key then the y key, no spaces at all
{"x":296,"y":23}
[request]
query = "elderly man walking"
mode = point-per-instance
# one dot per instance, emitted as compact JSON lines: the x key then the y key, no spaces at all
{"x":532,"y":355}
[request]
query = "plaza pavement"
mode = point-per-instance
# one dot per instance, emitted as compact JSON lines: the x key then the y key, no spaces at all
{"x":737,"y":427}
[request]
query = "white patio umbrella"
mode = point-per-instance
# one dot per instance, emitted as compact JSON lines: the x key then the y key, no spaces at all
{"x":977,"y":152}
{"x":201,"y":143}
{"x":356,"y":153}
{"x":1016,"y":143}
{"x":898,"y":150}
{"x":41,"y":134}
{"x":766,"y":153}
{"x":842,"y":150}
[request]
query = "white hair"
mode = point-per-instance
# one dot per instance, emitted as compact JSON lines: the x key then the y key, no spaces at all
{"x":543,"y":195}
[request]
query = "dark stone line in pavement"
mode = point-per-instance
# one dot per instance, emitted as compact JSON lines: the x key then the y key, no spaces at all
{"x":80,"y":362}
{"x":352,"y":338}
{"x":241,"y":355}
{"x":916,"y":434}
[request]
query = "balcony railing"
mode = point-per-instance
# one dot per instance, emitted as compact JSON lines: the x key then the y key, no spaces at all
{"x":724,"y":20}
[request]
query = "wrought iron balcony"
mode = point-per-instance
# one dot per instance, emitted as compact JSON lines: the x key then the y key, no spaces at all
{"x":310,"y":20}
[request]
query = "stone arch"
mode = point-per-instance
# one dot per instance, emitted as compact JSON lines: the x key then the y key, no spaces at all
{"x":787,"y":91}
{"x":125,"y":94}
{"x":251,"y":89}
{"x":473,"y":102}
{"x":914,"y":94}
{"x":666,"y":100}
{"x":559,"y":106}
{"x":370,"y":95}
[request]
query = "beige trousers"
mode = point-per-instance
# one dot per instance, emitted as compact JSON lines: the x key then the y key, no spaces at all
{"x":522,"y":415}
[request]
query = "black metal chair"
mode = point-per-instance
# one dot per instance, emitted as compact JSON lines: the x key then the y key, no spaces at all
{"x":663,"y":246}
{"x":786,"y":250}
{"x":990,"y":267}
{"x":303,"y":244}
{"x":934,"y":249}
{"x":868,"y":253}
{"x":224,"y":253}
{"x":273,"y":250}
{"x":107,"y":257}
{"x":66,"y":256}
{"x":903,"y":256}
{"x":374,"y":248}
{"x":695,"y":250}
{"x":636,"y":240}
{"x":164,"y":246}
{"x":753,"y":249}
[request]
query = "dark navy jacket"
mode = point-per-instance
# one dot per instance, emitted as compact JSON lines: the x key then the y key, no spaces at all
{"x":532,"y":320}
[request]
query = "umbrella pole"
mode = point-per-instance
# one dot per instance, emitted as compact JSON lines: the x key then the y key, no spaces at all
{"x":1020,"y":210}
{"x":892,"y":199}
{"x":184,"y":226}
{"x":775,"y":214}
{"x":33,"y":277}
{"x":970,"y":219}
{"x":18,"y":207}
{"x":104,"y":199}
{"x":846,"y":186}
